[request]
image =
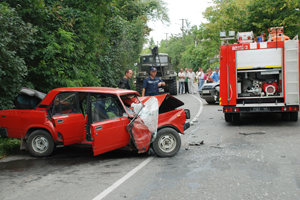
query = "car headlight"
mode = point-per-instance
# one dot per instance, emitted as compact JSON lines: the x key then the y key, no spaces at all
{"x":168,"y":72}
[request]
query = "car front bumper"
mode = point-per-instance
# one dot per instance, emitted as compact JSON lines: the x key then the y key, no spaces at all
{"x":208,"y":95}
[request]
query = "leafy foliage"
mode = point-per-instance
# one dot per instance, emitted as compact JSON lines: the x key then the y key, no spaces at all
{"x":9,"y":146}
{"x":54,"y":43}
{"x":201,"y":46}
{"x":15,"y":37}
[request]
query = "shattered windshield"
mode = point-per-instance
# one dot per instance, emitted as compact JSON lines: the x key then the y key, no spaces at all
{"x":149,"y":113}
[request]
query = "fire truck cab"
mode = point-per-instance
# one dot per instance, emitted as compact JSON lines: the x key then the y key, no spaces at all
{"x":260,"y":76}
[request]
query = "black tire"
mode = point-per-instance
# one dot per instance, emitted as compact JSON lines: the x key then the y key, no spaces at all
{"x":228,"y":117}
{"x":173,"y":87}
{"x":294,"y":116}
{"x":167,"y":142}
{"x":236,"y":117}
{"x":139,"y":87}
{"x":211,"y":102}
{"x":40,"y":143}
{"x":285,"y":116}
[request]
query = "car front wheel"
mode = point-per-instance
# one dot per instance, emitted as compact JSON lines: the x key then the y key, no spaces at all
{"x":167,"y":142}
{"x":40,"y":143}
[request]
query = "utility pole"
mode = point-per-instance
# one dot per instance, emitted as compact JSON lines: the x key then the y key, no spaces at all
{"x":182,"y":30}
{"x":166,"y":40}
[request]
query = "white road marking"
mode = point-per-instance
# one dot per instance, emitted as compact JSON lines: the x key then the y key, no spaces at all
{"x":140,"y":166}
{"x":186,"y":139}
{"x":123,"y":179}
{"x":200,"y":109}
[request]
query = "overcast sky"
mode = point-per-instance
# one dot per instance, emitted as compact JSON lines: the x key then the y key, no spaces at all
{"x":179,"y":9}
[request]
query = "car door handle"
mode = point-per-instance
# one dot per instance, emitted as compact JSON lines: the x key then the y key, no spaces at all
{"x":98,"y":128}
{"x":59,"y":121}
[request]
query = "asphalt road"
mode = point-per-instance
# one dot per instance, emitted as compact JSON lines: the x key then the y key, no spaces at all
{"x":257,"y":158}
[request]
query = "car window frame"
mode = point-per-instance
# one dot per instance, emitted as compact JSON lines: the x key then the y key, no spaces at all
{"x":52,"y":107}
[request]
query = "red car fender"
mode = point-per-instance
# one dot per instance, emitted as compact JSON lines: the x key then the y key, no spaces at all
{"x":48,"y":126}
{"x":175,"y":118}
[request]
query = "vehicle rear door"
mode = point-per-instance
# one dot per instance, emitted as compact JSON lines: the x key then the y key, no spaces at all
{"x":67,"y":118}
{"x":108,"y":128}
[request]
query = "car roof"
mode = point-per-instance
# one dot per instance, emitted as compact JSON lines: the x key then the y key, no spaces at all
{"x":105,"y":90}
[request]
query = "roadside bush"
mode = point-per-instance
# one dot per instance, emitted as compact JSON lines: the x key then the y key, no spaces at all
{"x":9,"y":146}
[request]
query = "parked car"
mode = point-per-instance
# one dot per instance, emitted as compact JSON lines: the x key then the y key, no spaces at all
{"x":210,"y":92}
{"x":102,"y":118}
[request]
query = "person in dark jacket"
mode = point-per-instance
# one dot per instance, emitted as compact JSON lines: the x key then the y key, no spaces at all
{"x":124,"y":82}
{"x":152,"y":83}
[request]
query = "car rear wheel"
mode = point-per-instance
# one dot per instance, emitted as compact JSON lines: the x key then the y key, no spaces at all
{"x":40,"y":143}
{"x":167,"y":142}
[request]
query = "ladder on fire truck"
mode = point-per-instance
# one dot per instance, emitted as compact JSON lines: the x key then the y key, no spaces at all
{"x":291,"y":63}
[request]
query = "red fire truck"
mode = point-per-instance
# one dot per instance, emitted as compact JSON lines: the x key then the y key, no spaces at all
{"x":258,"y":76}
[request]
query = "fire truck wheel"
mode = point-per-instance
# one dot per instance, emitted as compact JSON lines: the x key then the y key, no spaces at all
{"x":167,"y":142}
{"x":236,"y":117}
{"x":294,"y":116}
{"x":285,"y":116}
{"x":228,"y":117}
{"x":40,"y":143}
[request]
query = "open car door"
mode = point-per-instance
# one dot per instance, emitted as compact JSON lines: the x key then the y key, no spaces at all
{"x":68,"y":120}
{"x":108,"y":126}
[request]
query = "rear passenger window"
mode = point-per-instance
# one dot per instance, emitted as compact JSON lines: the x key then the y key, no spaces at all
{"x":66,"y":103}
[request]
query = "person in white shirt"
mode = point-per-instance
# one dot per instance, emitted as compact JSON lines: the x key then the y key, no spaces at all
{"x":191,"y":81}
{"x":181,"y":77}
{"x":200,"y":77}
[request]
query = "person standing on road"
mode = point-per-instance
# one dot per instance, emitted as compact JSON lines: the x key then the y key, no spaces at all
{"x":152,"y":83}
{"x":124,"y":82}
{"x":215,"y":75}
{"x":209,"y":73}
{"x":181,"y":81}
{"x":186,"y":84}
{"x":200,"y":77}
{"x":191,"y":81}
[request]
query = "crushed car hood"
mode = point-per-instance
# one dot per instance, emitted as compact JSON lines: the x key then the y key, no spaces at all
{"x":166,"y":102}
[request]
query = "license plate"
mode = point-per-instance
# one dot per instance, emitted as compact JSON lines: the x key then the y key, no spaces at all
{"x":205,"y":91}
{"x":256,"y":109}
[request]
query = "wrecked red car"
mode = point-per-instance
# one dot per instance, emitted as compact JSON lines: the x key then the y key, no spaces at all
{"x":103,"y":118}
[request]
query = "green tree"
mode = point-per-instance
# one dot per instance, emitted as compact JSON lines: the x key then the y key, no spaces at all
{"x":15,"y":37}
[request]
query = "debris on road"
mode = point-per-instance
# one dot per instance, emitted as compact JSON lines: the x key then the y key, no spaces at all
{"x":216,"y":146}
{"x":196,"y":143}
{"x":253,"y":133}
